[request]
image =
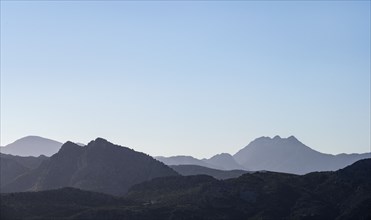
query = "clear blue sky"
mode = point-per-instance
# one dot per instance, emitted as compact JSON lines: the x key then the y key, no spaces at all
{"x":191,"y":78}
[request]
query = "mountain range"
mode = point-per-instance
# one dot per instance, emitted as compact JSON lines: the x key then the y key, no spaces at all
{"x":278,"y":154}
{"x":102,"y":180}
{"x":99,"y":166}
{"x":342,"y":195}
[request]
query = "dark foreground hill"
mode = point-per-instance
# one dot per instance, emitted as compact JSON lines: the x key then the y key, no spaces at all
{"x":100,"y":166}
{"x":344,"y":194}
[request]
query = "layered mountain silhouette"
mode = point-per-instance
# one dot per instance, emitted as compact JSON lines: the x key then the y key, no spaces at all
{"x":222,"y":161}
{"x":273,"y":154}
{"x":137,"y":186}
{"x":278,"y":154}
{"x":183,"y":160}
{"x":289,"y":155}
{"x":344,"y":194}
{"x":191,"y":170}
{"x":32,"y":146}
{"x":99,"y":166}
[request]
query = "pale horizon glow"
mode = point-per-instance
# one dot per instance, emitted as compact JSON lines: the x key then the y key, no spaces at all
{"x":187,"y":78}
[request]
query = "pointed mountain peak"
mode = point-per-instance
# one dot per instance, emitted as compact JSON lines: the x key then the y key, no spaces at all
{"x":69,"y":144}
{"x":224,"y":161}
{"x":292,"y":138}
{"x":69,"y":147}
{"x":99,"y":142}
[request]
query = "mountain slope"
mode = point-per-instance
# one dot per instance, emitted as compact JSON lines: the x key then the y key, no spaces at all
{"x":290,"y":156}
{"x":99,"y":166}
{"x":32,"y":146}
{"x":29,"y":162}
{"x":13,"y":166}
{"x":9,"y":170}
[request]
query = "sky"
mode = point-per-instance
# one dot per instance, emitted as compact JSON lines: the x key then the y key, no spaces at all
{"x":187,"y":77}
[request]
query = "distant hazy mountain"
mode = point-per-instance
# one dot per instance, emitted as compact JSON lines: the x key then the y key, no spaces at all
{"x":184,"y":160}
{"x":189,"y":170}
{"x":99,"y":166}
{"x":32,"y":146}
{"x":222,"y":161}
{"x":290,"y":156}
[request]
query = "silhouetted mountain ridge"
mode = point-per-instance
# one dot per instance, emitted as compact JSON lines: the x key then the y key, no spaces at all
{"x":99,"y":166}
